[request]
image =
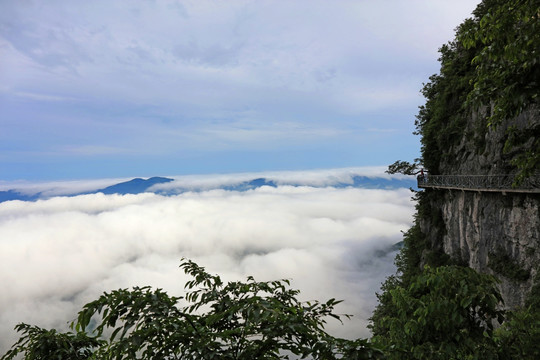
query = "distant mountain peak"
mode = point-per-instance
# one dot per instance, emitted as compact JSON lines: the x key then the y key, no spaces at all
{"x":134,"y":186}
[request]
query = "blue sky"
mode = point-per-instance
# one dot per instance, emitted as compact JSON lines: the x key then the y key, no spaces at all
{"x":143,"y":88}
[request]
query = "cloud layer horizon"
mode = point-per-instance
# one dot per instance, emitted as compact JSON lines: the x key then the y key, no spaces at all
{"x":57,"y":254}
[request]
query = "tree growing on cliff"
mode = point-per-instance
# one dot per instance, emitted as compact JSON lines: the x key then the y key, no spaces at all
{"x":404,"y":167}
{"x":238,"y":320}
{"x":444,"y":313}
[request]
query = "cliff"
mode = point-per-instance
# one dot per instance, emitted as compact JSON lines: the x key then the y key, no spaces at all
{"x":492,"y":232}
{"x":482,"y":117}
{"x":477,"y":225}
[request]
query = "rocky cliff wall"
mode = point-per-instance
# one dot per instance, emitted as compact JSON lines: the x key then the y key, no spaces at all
{"x":481,"y":148}
{"x":492,"y":232}
{"x":497,"y":234}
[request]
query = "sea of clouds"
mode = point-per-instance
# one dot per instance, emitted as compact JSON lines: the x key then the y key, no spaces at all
{"x":59,"y":253}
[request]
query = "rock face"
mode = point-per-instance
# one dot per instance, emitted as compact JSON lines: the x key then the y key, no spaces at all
{"x":481,"y":149}
{"x":497,"y":234}
{"x":492,"y":232}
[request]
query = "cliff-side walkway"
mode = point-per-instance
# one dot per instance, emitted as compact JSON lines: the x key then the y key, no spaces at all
{"x":492,"y":183}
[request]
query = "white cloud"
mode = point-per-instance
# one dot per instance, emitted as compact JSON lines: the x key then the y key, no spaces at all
{"x":210,"y":53}
{"x":42,"y":96}
{"x":95,"y":150}
{"x":55,"y":188}
{"x":141,"y":81}
{"x":316,"y":178}
{"x":59,"y":253}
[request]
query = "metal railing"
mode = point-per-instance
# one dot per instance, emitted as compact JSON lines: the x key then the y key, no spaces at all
{"x":502,"y":183}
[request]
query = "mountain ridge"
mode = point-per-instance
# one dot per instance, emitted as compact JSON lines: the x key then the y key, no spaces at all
{"x":140,"y":185}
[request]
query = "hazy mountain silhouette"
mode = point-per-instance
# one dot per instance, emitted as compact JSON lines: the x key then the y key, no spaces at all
{"x":139,"y":185}
{"x":135,"y":186}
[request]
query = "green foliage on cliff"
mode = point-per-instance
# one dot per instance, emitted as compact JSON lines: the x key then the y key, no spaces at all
{"x":441,"y":120}
{"x":403,"y":167}
{"x":503,"y":264}
{"x":489,"y":75}
{"x":506,"y":38}
{"x":519,"y":337}
{"x":492,"y":69}
{"x":444,"y":313}
{"x":422,"y":311}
